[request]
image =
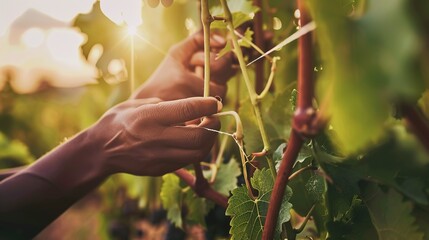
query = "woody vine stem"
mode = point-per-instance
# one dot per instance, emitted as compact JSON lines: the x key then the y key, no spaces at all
{"x":305,"y":98}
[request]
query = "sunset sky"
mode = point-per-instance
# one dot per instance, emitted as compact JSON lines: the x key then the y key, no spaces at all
{"x":37,"y":41}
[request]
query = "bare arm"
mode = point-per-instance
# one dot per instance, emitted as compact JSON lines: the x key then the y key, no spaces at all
{"x":141,"y":137}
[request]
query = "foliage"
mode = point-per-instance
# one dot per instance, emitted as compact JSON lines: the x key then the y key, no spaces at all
{"x":365,"y":175}
{"x":183,"y":206}
{"x":13,"y":153}
{"x":352,"y":80}
{"x":397,"y":224}
{"x":248,"y":215}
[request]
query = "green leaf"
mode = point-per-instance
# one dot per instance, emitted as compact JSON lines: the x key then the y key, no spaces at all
{"x":368,"y":61}
{"x":248,"y":215}
{"x":225,"y":50}
{"x":278,"y":155}
{"x":242,"y":11}
{"x":182,"y":204}
{"x":304,"y":154}
{"x":228,"y":47}
{"x":280,"y":111}
{"x":196,"y":208}
{"x":390,"y":214}
{"x":293,"y":99}
{"x":171,"y":197}
{"x":355,"y":224}
{"x":226,"y":179}
{"x":248,"y":36}
{"x":309,"y":188}
{"x":400,"y":162}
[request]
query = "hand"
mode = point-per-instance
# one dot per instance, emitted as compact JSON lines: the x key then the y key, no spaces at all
{"x":149,"y":137}
{"x":176,"y":77}
{"x":154,"y":3}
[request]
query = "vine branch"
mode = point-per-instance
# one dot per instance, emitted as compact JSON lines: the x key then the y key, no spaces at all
{"x":202,"y":190}
{"x":259,"y":41}
{"x":305,"y":98}
{"x":252,"y":94}
{"x":206,"y":19}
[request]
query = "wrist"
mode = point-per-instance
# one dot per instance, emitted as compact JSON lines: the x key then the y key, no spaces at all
{"x":75,"y":164}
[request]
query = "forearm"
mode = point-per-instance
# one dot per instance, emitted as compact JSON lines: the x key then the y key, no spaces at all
{"x":34,"y":197}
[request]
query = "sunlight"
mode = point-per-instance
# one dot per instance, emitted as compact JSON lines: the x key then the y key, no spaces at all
{"x":33,"y":38}
{"x":127,"y":12}
{"x":62,"y":10}
{"x":131,"y":30}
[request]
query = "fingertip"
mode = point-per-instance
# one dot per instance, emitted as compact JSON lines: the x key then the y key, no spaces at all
{"x":219,"y":105}
{"x":167,"y":3}
{"x":153,"y":3}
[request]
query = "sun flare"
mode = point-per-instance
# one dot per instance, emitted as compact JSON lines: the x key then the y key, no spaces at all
{"x":132,"y":30}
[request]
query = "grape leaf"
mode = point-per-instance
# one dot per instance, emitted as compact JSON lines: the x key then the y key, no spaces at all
{"x":228,"y":47}
{"x":171,"y":197}
{"x":355,"y":224}
{"x":399,"y":161}
{"x":182,"y":204}
{"x":248,"y":215}
{"x":280,"y":111}
{"x":196,"y":208}
{"x":309,"y":188}
{"x":242,"y":11}
{"x":390,"y":214}
{"x":225,"y":50}
{"x":248,"y":36}
{"x":252,"y":136}
{"x":226,"y":179}
{"x":304,"y":154}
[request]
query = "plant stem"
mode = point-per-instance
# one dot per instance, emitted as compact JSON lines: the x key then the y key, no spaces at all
{"x":206,"y":20}
{"x":301,"y":170}
{"x":238,"y":136}
{"x":285,"y":170}
{"x":270,"y":79}
{"x":259,"y":41}
{"x":206,"y":192}
{"x":252,"y":94}
{"x":305,"y":97}
{"x":307,"y":217}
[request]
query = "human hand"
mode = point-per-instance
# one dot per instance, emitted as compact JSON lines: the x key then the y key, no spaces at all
{"x":177,"y":78}
{"x":149,"y":137}
{"x":155,"y":3}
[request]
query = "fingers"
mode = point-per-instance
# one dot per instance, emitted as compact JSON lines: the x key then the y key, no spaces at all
{"x":155,"y":3}
{"x":192,"y":136}
{"x":196,"y":84}
{"x":184,"y":50}
{"x":183,"y":110}
{"x":221,"y":69}
{"x":167,"y":3}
